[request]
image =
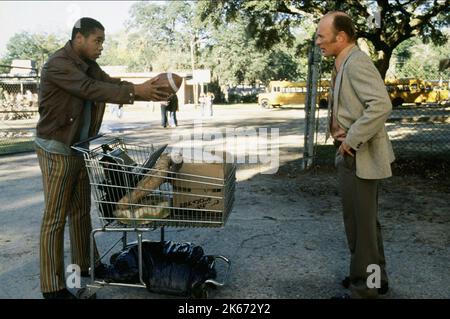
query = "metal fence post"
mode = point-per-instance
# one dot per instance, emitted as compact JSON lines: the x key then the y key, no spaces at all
{"x":314,"y":58}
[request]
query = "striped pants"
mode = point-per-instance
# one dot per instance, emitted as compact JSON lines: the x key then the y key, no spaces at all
{"x":66,"y":194}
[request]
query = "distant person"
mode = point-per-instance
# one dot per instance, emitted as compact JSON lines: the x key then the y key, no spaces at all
{"x":172,"y":107}
{"x":28,"y":98}
{"x":164,"y":119}
{"x":19,"y":98}
{"x":225,"y":90}
{"x":72,"y":95}
{"x":117,"y":110}
{"x":359,"y":107}
{"x":209,"y":102}
{"x":202,"y":101}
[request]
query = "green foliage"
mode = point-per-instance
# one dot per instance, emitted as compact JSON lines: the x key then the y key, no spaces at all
{"x":413,"y":58}
{"x":235,"y":58}
{"x":255,"y":41}
{"x":115,"y":51}
{"x":33,"y":46}
{"x":161,"y":35}
{"x":271,"y":22}
{"x":215,"y":88}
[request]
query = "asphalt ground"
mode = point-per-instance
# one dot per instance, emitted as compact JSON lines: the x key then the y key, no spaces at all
{"x":285,"y":235}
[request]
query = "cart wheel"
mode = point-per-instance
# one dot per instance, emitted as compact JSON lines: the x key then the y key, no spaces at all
{"x":200,"y":292}
{"x":86,"y":293}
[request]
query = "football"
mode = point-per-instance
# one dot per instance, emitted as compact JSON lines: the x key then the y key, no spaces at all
{"x":171,"y":82}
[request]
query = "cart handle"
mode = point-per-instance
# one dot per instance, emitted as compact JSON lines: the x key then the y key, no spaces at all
{"x":75,"y":145}
{"x":89,"y":139}
{"x":214,"y":282}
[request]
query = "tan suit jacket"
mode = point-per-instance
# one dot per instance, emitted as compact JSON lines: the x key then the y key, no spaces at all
{"x":362,"y":108}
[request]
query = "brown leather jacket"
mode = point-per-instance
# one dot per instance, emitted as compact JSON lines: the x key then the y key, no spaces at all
{"x":67,"y":82}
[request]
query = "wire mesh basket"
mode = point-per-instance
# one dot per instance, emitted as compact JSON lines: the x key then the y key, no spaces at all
{"x":136,"y":186}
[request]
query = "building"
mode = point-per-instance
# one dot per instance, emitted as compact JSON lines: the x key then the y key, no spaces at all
{"x":185,"y":93}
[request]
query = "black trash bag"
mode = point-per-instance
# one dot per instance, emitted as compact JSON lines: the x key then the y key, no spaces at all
{"x":118,"y":178}
{"x":124,"y":267}
{"x":168,"y":267}
{"x":179,"y":269}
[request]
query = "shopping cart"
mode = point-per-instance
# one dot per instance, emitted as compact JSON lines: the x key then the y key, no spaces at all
{"x":135,"y":191}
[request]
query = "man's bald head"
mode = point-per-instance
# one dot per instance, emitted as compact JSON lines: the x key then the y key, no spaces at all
{"x":341,"y":21}
{"x":335,"y":32}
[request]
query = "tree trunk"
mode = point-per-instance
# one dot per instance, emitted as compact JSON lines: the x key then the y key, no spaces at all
{"x":382,"y":62}
{"x":194,"y":85}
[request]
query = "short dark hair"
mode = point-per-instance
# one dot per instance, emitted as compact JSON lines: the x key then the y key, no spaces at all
{"x":86,"y":26}
{"x":343,"y":22}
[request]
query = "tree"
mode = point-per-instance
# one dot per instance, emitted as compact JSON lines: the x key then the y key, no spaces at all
{"x":234,"y":58}
{"x":162,"y":30}
{"x":116,"y":52}
{"x":32,"y":46}
{"x":416,"y":59}
{"x":272,"y":22}
{"x":172,"y":36}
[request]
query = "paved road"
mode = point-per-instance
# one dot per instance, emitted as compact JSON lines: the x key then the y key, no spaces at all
{"x":283,"y":241}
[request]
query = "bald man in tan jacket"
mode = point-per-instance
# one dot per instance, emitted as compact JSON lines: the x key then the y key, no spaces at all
{"x":359,"y":106}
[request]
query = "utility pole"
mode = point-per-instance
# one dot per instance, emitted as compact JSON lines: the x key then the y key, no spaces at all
{"x":314,"y":58}
{"x":194,"y":85}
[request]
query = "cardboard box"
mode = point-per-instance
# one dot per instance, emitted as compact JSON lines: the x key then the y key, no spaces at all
{"x":208,"y":199}
{"x":204,"y":175}
{"x":205,"y":189}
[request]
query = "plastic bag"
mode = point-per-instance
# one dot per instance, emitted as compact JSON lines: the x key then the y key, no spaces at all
{"x":168,"y":267}
{"x":119,"y":178}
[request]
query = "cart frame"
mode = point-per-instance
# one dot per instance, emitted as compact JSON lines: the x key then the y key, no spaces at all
{"x":222,"y":192}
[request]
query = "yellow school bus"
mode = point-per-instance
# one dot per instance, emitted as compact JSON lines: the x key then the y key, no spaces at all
{"x":417,"y":91}
{"x":440,"y":91}
{"x":279,"y":93}
{"x":401,"y":91}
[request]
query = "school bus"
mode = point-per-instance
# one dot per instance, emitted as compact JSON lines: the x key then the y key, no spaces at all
{"x":279,"y":93}
{"x":401,"y":91}
{"x":417,"y":91}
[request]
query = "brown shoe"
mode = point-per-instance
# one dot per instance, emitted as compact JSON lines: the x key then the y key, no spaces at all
{"x":382,"y":290}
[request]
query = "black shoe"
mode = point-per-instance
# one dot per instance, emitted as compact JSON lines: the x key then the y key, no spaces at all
{"x":60,"y":294}
{"x":343,"y":296}
{"x":100,"y":271}
{"x":381,"y":291}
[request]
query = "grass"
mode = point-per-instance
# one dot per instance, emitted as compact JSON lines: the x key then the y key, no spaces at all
{"x":16,"y":145}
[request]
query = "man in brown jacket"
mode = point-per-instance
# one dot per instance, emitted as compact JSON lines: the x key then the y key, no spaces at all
{"x":72,"y":96}
{"x":359,"y":107}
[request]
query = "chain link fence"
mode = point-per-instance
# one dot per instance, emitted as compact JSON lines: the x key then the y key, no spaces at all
{"x":18,"y":109}
{"x":414,"y":130}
